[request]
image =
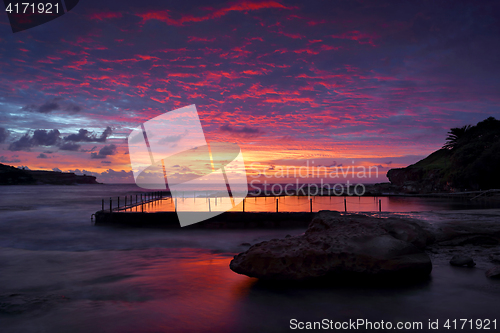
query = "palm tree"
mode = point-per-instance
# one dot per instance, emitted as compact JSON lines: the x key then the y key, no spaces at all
{"x":455,"y":135}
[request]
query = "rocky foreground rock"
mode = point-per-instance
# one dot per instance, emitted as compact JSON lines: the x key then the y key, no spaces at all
{"x":462,"y":261}
{"x":336,"y":245}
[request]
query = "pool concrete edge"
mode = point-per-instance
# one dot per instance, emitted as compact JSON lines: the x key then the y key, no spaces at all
{"x":226,"y":220}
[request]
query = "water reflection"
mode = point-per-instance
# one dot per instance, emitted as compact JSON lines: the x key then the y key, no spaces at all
{"x":305,"y":204}
{"x":152,"y":290}
{"x":195,"y":290}
{"x":451,"y":293}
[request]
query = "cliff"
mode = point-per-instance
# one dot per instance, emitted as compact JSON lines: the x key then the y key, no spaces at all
{"x":12,"y":176}
{"x":469,"y":160}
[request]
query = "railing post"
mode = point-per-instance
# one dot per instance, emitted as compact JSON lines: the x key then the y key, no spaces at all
{"x":209,"y":208}
{"x":380,"y":205}
{"x":311,"y":204}
{"x":118,"y":203}
{"x":277,"y":200}
{"x":345,"y":204}
{"x":243,"y":205}
{"x":125,"y":201}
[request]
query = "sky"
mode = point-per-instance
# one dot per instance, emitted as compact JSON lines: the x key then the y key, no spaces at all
{"x":365,"y":83}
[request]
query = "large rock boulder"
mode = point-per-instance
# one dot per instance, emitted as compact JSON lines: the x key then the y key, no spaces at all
{"x":462,"y":261}
{"x":336,"y":245}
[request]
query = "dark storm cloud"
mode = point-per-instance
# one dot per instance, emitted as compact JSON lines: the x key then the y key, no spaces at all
{"x":107,"y":132}
{"x":55,"y":104}
{"x":38,"y":138}
{"x":244,"y":130}
{"x":46,"y":138}
{"x":42,"y":155}
{"x":70,"y":146}
{"x":44,"y":108}
{"x":4,"y":159}
{"x":104,"y":152}
{"x":87,"y":136}
{"x":3,"y":134}
{"x":73,"y":108}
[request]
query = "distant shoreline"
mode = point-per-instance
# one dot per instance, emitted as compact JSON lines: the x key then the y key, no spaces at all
{"x":10,"y":175}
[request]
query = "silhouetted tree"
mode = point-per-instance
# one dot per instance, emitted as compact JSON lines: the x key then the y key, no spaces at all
{"x":455,"y":135}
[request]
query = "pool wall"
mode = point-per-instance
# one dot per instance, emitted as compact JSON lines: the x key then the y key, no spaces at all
{"x":226,"y":220}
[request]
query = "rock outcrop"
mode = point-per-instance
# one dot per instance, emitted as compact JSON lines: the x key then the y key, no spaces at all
{"x":462,"y":261}
{"x":336,"y":245}
{"x":14,"y":176}
{"x":425,"y":176}
{"x":468,"y":161}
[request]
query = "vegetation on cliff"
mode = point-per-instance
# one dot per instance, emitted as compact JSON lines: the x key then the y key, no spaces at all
{"x":470,"y":159}
{"x":14,"y":176}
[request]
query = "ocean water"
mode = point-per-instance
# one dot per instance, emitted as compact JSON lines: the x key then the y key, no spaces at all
{"x":59,"y":273}
{"x":200,"y":202}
